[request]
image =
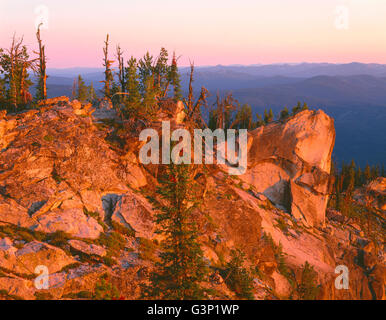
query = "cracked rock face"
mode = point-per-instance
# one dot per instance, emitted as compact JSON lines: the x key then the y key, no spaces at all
{"x":54,"y":165}
{"x":290,"y":164}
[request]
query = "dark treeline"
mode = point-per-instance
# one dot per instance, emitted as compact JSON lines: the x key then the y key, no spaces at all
{"x":351,"y":176}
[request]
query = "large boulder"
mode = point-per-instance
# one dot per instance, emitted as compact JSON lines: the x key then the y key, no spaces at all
{"x":133,"y":211}
{"x":72,"y":221}
{"x":31,"y":255}
{"x":90,"y":249}
{"x":290,"y":163}
{"x":373,"y":194}
{"x":6,"y":135}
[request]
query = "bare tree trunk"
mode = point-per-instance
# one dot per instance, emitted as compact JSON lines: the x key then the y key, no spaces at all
{"x":107,"y":65}
{"x":23,"y":93}
{"x":42,"y":67}
{"x":121,"y":70}
{"x":12,"y":80}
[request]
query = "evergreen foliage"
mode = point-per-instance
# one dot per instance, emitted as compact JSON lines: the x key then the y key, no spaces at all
{"x":82,"y":92}
{"x":181,"y":270}
{"x":238,"y":278}
{"x":307,"y":288}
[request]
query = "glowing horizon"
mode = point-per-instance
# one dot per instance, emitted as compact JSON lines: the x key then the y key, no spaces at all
{"x":219,"y":32}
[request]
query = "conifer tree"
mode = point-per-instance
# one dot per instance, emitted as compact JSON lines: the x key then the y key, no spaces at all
{"x":265,"y":116}
{"x":161,"y":73}
{"x":174,"y":79}
{"x":244,"y":117}
{"x":271,"y":116}
{"x":149,"y":96}
{"x":41,"y":92}
{"x":367,"y":173}
{"x":145,"y":70}
{"x":132,"y":83}
{"x":307,"y":288}
{"x":82,"y":92}
{"x":297,"y":108}
{"x":181,"y":269}
{"x":351,"y":178}
{"x":91,"y":93}
{"x":268,"y":116}
{"x":284,"y":114}
{"x":238,"y":278}
{"x":73,"y":90}
{"x":358,"y":177}
{"x":376,"y":171}
{"x":259,"y":121}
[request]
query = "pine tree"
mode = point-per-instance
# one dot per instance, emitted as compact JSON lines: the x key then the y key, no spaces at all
{"x":244,"y":117}
{"x":149,"y":96}
{"x":259,"y":120}
{"x":351,"y":178}
{"x":305,"y":106}
{"x":82,"y":92}
{"x":132,"y":82}
{"x":119,"y":88}
{"x":73,"y":90}
{"x":377,"y":171}
{"x":308,"y":289}
{"x":161,"y":73}
{"x":181,"y":269}
{"x":337,"y":195}
{"x":367,"y":173}
{"x":268,"y":116}
{"x":271,"y":116}
{"x":174,"y":79}
{"x":145,"y":70}
{"x":212,"y":122}
{"x":284,"y":114}
{"x":359,"y":177}
{"x":238,"y":278}
{"x":41,"y":92}
{"x":297,"y":108}
{"x":91,"y":93}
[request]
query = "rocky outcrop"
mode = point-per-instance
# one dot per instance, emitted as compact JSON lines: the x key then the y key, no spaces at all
{"x":135,"y":213}
{"x":90,"y":249}
{"x":6,"y":127}
{"x":373,"y":194}
{"x":71,"y":221}
{"x":73,"y":197}
{"x":290,"y":164}
{"x":54,"y":164}
{"x":31,"y":255}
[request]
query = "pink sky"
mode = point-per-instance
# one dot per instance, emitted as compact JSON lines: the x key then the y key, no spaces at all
{"x":208,"y":32}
